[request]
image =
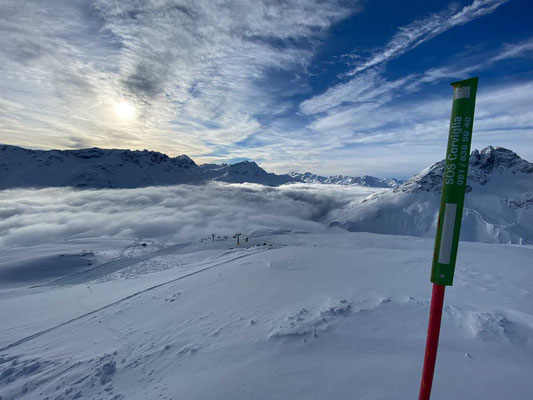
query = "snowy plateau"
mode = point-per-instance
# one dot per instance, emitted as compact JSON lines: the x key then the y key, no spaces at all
{"x":112,"y":285}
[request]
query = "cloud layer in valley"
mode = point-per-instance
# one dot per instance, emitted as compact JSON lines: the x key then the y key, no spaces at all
{"x":175,"y":213}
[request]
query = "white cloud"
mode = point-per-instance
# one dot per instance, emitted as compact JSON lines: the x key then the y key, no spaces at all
{"x":402,"y":137}
{"x":368,"y":87}
{"x":368,"y":83}
{"x":422,"y":30}
{"x":193,"y":70}
{"x":470,"y":63}
{"x":181,"y":213}
{"x":512,"y":50}
{"x":370,"y":118}
{"x":196,"y":73}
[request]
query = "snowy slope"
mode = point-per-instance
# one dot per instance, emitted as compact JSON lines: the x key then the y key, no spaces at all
{"x":93,"y":168}
{"x":498,"y":205}
{"x":113,"y":168}
{"x":365,"y":180}
{"x":245,"y":171}
{"x":316,"y":316}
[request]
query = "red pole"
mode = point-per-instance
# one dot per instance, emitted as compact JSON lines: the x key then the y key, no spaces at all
{"x":432,"y":343}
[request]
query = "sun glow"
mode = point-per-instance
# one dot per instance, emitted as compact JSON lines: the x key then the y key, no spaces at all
{"x":125,"y":110}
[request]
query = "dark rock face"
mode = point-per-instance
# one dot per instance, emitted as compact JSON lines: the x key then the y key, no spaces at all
{"x":496,"y":159}
{"x":482,"y":166}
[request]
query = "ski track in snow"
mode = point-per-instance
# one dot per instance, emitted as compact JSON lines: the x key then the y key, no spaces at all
{"x":327,"y":316}
{"x":112,"y":266}
{"x":113,"y":269}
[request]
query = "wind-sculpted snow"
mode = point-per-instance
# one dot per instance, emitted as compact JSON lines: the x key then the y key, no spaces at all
{"x":182,"y":212}
{"x":306,"y":322}
{"x":323,"y":316}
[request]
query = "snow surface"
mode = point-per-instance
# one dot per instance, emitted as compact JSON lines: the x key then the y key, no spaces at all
{"x":498,"y":205}
{"x":121,"y":294}
{"x":290,"y":316}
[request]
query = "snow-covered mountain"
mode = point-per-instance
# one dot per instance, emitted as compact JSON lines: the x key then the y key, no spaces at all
{"x":93,"y":168}
{"x":365,"y":180}
{"x":498,"y":205}
{"x":115,"y":168}
{"x":245,"y":171}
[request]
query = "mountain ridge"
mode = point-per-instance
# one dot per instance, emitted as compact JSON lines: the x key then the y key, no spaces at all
{"x":498,"y":205}
{"x":365,"y":180}
{"x":117,"y":168}
{"x":481,"y":165}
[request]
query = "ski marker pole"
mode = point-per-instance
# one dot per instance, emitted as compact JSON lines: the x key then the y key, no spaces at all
{"x":450,"y":214}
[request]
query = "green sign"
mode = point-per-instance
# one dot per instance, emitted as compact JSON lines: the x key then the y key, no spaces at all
{"x":454,"y":181}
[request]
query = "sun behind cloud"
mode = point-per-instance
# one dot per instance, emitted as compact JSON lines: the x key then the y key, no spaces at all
{"x":125,"y":110}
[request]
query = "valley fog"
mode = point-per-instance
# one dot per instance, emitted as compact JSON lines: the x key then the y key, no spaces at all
{"x":180,"y":213}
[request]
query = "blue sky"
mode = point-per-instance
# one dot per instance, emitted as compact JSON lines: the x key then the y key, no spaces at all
{"x":332,"y":87}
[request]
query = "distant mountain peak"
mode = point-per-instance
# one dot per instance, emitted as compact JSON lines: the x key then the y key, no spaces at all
{"x":498,"y":206}
{"x":119,"y":168}
{"x":482,"y":167}
{"x":365,"y":180}
{"x":499,"y":159}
